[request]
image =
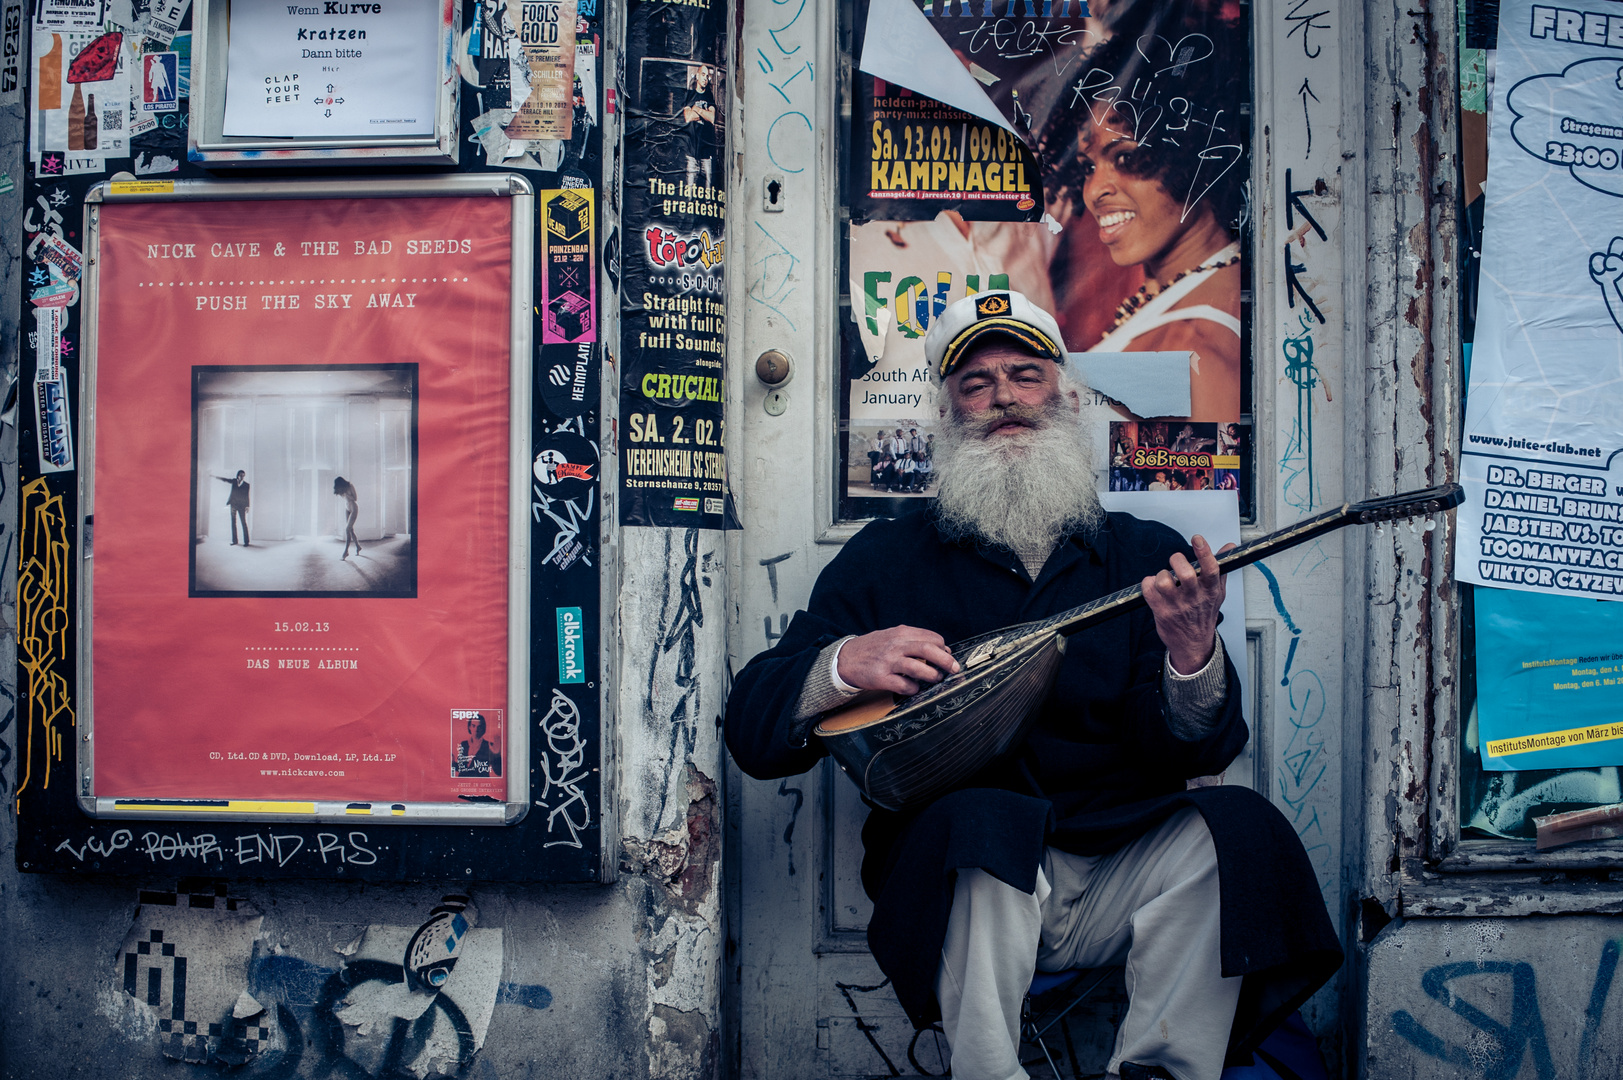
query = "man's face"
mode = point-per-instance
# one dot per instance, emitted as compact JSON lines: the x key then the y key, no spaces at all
{"x":240,"y":474}
{"x":1160,"y":478}
{"x":1004,"y":388}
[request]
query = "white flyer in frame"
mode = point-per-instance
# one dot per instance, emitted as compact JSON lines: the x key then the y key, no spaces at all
{"x":294,"y":71}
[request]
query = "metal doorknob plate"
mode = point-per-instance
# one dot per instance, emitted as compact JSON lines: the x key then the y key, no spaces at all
{"x":773,"y":367}
{"x":777,"y":401}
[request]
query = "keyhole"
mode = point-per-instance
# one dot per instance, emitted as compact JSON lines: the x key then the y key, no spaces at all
{"x":772,"y":190}
{"x":772,"y":193}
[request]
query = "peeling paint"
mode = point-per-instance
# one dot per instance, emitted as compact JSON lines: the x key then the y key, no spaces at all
{"x":683,"y":860}
{"x":682,"y":1043}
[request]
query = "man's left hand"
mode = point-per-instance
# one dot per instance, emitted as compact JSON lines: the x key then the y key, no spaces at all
{"x":1185,"y":605}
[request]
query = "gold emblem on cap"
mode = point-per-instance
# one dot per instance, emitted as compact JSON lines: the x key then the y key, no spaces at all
{"x":988,"y":306}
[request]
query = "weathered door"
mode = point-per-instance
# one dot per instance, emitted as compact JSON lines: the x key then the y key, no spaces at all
{"x":808,"y":999}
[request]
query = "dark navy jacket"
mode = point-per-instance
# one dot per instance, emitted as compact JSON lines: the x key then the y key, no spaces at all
{"x":1100,"y":767}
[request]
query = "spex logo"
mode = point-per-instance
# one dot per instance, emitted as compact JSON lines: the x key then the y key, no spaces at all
{"x":571,"y":646}
{"x":669,"y":249}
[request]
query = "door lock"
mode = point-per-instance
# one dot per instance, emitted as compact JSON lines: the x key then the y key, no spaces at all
{"x":773,"y":368}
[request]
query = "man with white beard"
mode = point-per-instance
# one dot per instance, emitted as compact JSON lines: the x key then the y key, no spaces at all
{"x":1085,"y":846}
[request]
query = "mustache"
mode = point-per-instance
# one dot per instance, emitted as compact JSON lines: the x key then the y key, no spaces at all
{"x":984,"y":423}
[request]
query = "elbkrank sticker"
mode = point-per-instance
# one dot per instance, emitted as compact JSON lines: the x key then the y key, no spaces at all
{"x":571,"y":645}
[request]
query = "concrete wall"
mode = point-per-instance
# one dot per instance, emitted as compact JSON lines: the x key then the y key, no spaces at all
{"x":1495,"y":999}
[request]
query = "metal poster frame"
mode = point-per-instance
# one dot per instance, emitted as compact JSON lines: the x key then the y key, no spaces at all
{"x":485,"y":811}
{"x":207,"y":144}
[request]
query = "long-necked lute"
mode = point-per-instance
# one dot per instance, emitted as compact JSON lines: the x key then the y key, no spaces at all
{"x":903,"y":751}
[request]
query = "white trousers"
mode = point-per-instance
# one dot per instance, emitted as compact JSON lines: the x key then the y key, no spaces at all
{"x":1152,"y":905}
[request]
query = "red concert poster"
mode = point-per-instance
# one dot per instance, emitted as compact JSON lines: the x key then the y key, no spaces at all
{"x":301,"y":478}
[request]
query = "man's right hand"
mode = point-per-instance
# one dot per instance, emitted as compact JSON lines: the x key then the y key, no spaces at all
{"x":901,"y":659}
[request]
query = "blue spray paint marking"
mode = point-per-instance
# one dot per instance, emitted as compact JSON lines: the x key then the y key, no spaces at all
{"x":1597,"y":1005}
{"x":775,"y":281}
{"x":1499,"y":1057}
{"x":1279,"y":599}
{"x":1304,"y":752}
{"x":1508,"y":1045}
{"x":1297,"y":462}
{"x":1279,"y":606}
{"x":1290,"y":658}
{"x":526,"y":994}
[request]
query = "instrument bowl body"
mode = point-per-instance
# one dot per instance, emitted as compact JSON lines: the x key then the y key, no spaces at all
{"x":929,"y":746}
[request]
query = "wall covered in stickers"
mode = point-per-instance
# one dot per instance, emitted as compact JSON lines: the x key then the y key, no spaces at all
{"x":109,"y":91}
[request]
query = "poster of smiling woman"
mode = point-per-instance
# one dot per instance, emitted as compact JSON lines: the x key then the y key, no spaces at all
{"x":1094,"y":157}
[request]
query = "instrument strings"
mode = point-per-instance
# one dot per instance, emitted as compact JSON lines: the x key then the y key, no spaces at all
{"x":975,"y":652}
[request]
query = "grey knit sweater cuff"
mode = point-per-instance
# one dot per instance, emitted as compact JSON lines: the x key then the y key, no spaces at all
{"x":1193,"y":701}
{"x":819,"y":694}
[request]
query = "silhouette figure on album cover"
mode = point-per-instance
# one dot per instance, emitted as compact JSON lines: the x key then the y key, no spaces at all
{"x":343,"y":487}
{"x":237,"y":501}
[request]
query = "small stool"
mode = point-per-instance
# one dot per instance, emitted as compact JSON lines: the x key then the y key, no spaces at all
{"x":1036,"y":1023}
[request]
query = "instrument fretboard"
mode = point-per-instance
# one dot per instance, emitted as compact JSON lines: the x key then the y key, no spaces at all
{"x":974,"y":653}
{"x":1122,"y":601}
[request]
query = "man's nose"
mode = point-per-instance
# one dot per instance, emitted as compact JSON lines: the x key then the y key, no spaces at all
{"x":1002,"y":392}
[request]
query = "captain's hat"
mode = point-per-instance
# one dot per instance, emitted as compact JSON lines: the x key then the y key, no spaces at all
{"x":1000,"y":312}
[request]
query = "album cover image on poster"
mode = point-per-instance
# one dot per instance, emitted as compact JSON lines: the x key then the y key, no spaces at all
{"x":304,"y":480}
{"x":477,"y":739}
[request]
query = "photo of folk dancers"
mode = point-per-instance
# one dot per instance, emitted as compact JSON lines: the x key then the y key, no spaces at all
{"x":892,"y":458}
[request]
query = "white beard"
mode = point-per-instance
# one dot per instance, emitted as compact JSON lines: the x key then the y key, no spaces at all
{"x":1023,"y":491}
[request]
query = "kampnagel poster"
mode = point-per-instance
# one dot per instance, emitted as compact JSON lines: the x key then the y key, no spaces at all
{"x":302,"y":461}
{"x":1132,"y":124}
{"x":1544,"y":414}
